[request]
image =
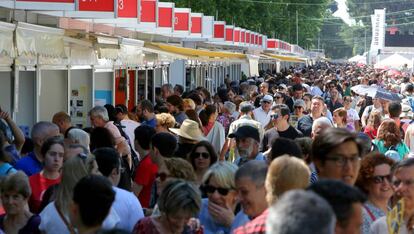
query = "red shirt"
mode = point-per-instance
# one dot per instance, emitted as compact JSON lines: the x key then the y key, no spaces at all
{"x":145,"y":175}
{"x":256,"y":226}
{"x":39,"y":185}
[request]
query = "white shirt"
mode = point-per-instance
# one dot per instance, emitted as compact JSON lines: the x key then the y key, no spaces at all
{"x":53,"y":224}
{"x":261,"y":116}
{"x":129,"y":209}
{"x":351,"y":117}
{"x":129,"y":129}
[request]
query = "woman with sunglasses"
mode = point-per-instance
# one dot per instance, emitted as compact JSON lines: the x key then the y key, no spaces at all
{"x":52,"y":151}
{"x":375,"y":180}
{"x":218,"y":210}
{"x":201,"y":158}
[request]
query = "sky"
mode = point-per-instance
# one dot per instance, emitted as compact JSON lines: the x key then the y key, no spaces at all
{"x":342,"y":12}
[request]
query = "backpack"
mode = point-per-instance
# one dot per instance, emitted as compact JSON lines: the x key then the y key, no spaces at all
{"x":411,"y":102}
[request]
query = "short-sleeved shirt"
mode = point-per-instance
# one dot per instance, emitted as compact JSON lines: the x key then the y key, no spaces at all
{"x":290,"y":133}
{"x":257,"y":225}
{"x":351,"y":117}
{"x":29,"y":164}
{"x":39,"y":185}
{"x":145,"y":176}
{"x":152,"y":122}
{"x":6,"y":169}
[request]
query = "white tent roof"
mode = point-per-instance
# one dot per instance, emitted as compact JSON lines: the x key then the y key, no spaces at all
{"x":395,"y":61}
{"x":358,"y":58}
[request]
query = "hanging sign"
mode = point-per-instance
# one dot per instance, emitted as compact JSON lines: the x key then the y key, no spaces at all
{"x":96,"y":5}
{"x":127,"y":8}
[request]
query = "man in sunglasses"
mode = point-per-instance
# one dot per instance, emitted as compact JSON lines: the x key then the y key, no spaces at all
{"x":262,"y":113}
{"x":247,"y":144}
{"x":280,"y":119}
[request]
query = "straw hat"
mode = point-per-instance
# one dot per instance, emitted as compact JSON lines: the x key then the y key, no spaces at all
{"x":189,"y":129}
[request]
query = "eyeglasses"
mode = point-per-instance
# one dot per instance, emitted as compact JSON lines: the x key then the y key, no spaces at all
{"x":211,"y":189}
{"x":162,"y":176}
{"x":380,"y":179}
{"x":341,"y":161}
{"x":202,"y":155}
{"x":397,"y":183}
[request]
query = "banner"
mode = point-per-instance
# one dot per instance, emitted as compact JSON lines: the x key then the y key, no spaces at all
{"x":378,"y":29}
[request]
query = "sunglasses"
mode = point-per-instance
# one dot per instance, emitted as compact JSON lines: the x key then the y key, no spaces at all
{"x":266,"y":102}
{"x":82,"y":156}
{"x":381,"y":179}
{"x":162,"y":176}
{"x":298,"y":107}
{"x":211,"y":189}
{"x":202,"y":155}
{"x":275,"y":116}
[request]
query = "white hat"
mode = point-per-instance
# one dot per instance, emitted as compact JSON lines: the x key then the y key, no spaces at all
{"x":406,"y":111}
{"x":189,"y":129}
{"x":267,"y":98}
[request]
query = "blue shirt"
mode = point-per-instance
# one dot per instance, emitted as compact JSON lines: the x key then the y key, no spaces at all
{"x":260,"y":156}
{"x":240,"y":220}
{"x":6,"y":169}
{"x":210,"y":226}
{"x":29,"y":164}
{"x":151,"y":122}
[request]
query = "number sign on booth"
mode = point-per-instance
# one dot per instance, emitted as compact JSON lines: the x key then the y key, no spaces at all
{"x":96,"y":5}
{"x":148,"y":11}
{"x":127,"y":8}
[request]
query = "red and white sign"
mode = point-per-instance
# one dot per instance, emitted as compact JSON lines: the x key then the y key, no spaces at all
{"x":148,"y":11}
{"x":219,"y":29}
{"x":96,"y":5}
{"x":165,"y":14}
{"x":271,"y":44}
{"x":127,"y":8}
{"x":243,"y":36}
{"x":256,"y":39}
{"x":53,"y":1}
{"x":229,"y":33}
{"x":196,"y":23}
{"x":248,"y":37}
{"x":237,"y":35}
{"x":182,"y":19}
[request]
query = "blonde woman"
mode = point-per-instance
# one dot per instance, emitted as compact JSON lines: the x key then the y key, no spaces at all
{"x":55,"y":216}
{"x":164,"y":122}
{"x":218,"y":210}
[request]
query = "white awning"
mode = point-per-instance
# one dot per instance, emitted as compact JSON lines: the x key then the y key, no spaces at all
{"x":6,"y":40}
{"x":39,"y":40}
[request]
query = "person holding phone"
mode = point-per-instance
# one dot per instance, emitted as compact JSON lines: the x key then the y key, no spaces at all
{"x":11,"y":147}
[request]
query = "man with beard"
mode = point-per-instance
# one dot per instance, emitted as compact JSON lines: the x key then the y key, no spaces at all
{"x":247,"y":144}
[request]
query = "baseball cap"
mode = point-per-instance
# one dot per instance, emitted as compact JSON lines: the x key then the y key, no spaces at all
{"x":245,"y":132}
{"x":299,"y":102}
{"x":267,"y":98}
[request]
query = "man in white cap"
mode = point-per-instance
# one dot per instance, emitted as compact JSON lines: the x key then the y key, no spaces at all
{"x":262,"y":113}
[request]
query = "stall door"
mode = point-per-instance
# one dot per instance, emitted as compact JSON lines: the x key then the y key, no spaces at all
{"x":150,"y":85}
{"x":121,"y":86}
{"x":54,"y":94}
{"x":6,"y":93}
{"x":141,"y":85}
{"x":80,"y":96}
{"x":26,"y":114}
{"x":131,"y":87}
{"x":103,"y":88}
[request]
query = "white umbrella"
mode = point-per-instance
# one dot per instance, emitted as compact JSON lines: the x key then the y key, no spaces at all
{"x":375,"y":92}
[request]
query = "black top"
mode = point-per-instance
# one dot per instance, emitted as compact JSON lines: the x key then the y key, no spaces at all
{"x":290,"y":133}
{"x":31,"y":227}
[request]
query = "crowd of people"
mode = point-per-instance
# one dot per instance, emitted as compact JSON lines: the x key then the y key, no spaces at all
{"x":299,"y":151}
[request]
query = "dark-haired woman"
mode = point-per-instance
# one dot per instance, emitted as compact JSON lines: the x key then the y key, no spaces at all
{"x":375,"y":180}
{"x":389,"y":138}
{"x":212,"y":129}
{"x":52,"y":151}
{"x":201,"y":158}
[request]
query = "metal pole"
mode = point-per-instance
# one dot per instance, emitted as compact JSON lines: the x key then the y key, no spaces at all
{"x":297,"y":28}
{"x":365,"y":45}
